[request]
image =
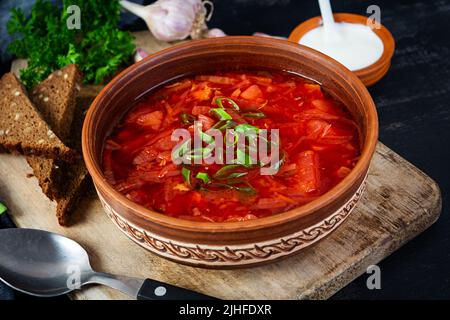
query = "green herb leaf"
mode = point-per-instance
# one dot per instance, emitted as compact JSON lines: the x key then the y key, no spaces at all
{"x":207,"y":138}
{"x":221,"y":114}
{"x":246,"y":128}
{"x":226,"y":170}
{"x":204,"y":177}
{"x":219,"y":102}
{"x":182,"y":150}
{"x":43,"y":38}
{"x":187,"y":118}
{"x":224,"y":124}
{"x":244,"y":158}
{"x":186,"y":175}
{"x":256,"y":115}
{"x":249,"y":190}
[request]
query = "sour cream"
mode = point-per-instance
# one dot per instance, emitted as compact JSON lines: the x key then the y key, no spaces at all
{"x":356,"y":46}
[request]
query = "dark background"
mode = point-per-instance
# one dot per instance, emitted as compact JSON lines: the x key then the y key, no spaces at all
{"x":413,"y":102}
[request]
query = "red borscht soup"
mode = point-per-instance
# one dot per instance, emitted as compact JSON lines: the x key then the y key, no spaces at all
{"x":317,"y":146}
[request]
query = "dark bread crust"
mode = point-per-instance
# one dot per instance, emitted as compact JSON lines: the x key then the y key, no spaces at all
{"x":55,"y":98}
{"x":22,"y":128}
{"x":48,"y":172}
{"x":76,"y":179}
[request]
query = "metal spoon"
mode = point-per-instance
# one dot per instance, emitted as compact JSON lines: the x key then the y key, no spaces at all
{"x":46,"y":264}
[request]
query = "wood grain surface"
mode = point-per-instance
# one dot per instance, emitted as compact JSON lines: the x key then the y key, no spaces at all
{"x":400,"y":201}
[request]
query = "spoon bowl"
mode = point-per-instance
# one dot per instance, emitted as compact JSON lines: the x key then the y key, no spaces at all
{"x":40,"y":263}
{"x":46,"y":264}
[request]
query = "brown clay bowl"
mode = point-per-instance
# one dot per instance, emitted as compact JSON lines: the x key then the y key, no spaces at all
{"x":232,"y":244}
{"x":370,"y":74}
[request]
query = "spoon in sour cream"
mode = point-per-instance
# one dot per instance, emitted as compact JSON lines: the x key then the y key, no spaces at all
{"x":354,"y":45}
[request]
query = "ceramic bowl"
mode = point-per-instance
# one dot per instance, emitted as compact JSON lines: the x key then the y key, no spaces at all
{"x":231,"y":244}
{"x":370,"y":74}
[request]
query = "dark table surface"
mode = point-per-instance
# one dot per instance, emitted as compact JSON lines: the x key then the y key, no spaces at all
{"x":413,"y":103}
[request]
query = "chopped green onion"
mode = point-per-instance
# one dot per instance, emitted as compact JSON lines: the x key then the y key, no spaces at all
{"x":237,"y":175}
{"x":249,"y":190}
{"x":221,"y":114}
{"x":233,"y":104}
{"x":186,"y":175}
{"x":199,"y":153}
{"x":224,"y":124}
{"x":226,"y":170}
{"x":234,"y":175}
{"x":204,"y":177}
{"x":187,"y":118}
{"x":256,"y":115}
{"x":243,"y":158}
{"x":244,"y":128}
{"x":3,"y":208}
{"x":207,"y":138}
{"x":183,"y":148}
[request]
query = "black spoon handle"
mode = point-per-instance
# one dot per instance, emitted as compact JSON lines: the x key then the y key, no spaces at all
{"x":155,"y":290}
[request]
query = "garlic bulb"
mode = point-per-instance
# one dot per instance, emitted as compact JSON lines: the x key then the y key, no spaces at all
{"x":171,"y":20}
{"x":140,"y":54}
{"x":215,"y":33}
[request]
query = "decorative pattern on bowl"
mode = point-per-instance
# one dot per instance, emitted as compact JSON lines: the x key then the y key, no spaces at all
{"x":232,"y":256}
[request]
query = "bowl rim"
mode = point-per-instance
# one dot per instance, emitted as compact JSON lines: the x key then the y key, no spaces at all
{"x":240,"y":226}
{"x":383,"y":33}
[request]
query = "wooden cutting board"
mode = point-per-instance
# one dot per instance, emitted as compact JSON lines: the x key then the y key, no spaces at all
{"x":400,"y":202}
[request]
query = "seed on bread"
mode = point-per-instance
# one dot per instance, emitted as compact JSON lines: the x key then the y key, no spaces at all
{"x":51,"y":134}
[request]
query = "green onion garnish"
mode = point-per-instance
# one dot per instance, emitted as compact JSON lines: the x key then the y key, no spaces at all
{"x":204,"y":177}
{"x":186,"y":175}
{"x":221,"y":114}
{"x":187,"y":118}
{"x":248,"y":190}
{"x":230,"y":101}
{"x":3,"y":208}
{"x":199,"y":153}
{"x":183,"y":148}
{"x":243,"y":158}
{"x":244,"y":128}
{"x":207,"y":138}
{"x":256,"y":115}
{"x":234,"y":175}
{"x":224,"y":124}
{"x":226,"y":170}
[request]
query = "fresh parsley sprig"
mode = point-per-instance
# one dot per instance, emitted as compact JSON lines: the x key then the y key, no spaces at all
{"x":100,"y":48}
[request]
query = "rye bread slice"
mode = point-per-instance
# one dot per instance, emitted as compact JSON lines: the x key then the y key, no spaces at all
{"x":55,"y":98}
{"x":76,"y":179}
{"x":22,"y":128}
